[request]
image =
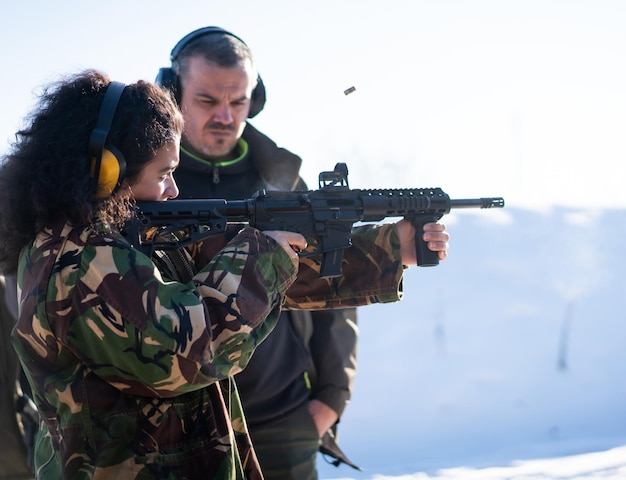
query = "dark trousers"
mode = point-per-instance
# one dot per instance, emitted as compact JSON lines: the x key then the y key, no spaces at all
{"x":287,"y":448}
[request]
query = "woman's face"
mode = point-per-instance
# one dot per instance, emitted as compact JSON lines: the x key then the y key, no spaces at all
{"x":156,"y":180}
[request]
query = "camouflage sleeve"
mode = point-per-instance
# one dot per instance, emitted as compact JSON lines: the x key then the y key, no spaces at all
{"x":147,"y":336}
{"x":372,"y":273}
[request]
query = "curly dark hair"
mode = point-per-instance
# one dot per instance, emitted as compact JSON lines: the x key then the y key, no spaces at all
{"x":45,"y":177}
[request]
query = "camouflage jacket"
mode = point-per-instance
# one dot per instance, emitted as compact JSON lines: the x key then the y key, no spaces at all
{"x":130,"y":370}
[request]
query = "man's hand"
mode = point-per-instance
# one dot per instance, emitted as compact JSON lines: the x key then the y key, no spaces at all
{"x":323,"y":416}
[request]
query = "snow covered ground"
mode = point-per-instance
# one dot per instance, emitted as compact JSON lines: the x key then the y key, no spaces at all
{"x":607,"y":465}
{"x":507,"y":361}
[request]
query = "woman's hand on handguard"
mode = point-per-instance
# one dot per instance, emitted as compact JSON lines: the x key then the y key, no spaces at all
{"x":434,"y":233}
{"x":291,"y":242}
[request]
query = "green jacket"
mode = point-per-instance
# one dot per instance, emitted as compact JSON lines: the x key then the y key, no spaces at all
{"x":131,"y":370}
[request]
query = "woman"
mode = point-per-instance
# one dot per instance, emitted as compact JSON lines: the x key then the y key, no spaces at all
{"x":130,"y":369}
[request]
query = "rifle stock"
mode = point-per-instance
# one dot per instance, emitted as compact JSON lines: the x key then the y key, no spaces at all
{"x":325,"y":216}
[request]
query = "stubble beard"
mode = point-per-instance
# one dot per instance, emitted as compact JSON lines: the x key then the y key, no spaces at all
{"x":221,"y":147}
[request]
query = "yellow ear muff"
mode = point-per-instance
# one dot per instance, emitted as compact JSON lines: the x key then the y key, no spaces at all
{"x":111,"y":173}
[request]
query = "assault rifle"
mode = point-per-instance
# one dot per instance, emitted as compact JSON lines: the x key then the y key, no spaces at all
{"x":325,"y":217}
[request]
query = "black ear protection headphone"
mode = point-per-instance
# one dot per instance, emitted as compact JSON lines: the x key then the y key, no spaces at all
{"x":167,"y":77}
{"x":108,"y":165}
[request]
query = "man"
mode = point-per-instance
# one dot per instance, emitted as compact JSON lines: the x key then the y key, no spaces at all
{"x":299,"y":380}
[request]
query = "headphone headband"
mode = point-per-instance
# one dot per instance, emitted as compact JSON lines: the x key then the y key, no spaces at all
{"x":98,"y":138}
{"x":200,"y":32}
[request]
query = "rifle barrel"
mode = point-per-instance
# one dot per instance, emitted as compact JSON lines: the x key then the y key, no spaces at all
{"x":487,"y":202}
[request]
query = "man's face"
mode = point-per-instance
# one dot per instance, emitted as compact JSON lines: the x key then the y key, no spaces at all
{"x":215,"y":103}
{"x":156,"y":181}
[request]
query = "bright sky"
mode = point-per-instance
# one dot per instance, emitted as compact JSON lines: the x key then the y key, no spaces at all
{"x":524,"y":99}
